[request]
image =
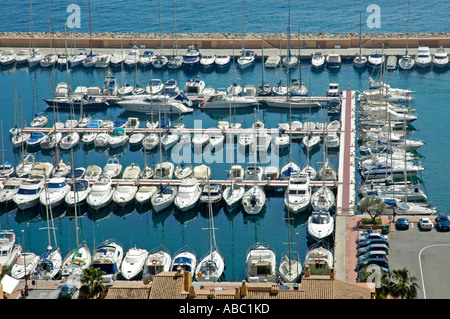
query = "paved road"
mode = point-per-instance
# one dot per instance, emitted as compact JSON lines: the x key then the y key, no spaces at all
{"x":426,"y":254}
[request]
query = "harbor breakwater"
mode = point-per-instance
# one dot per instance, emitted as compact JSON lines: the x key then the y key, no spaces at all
{"x":223,"y":40}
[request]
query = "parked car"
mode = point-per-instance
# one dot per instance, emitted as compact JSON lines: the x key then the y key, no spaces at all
{"x":371,"y":235}
{"x":67,"y":291}
{"x":373,"y":254}
{"x":372,"y":241}
{"x":381,"y":262}
{"x":373,"y":247}
{"x":425,"y":223}
{"x":442,"y":222}
{"x":402,"y":223}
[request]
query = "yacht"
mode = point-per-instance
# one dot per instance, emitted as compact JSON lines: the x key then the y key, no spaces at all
{"x":51,"y":140}
{"x":163,"y":198}
{"x":39,"y":120}
{"x":108,"y":258}
{"x":9,"y":249}
{"x":327,"y":173}
{"x":289,"y":61}
{"x":320,"y":225}
{"x":360,"y":61}
{"x":298,"y":194}
{"x":55,"y":192}
{"x":49,"y":60}
{"x":184,"y":259}
{"x":254,"y":200}
{"x":28,"y":193}
{"x":175,"y":62}
{"x":232,"y":195}
{"x":318,"y":60}
{"x":192,"y":57}
{"x":101,"y":193}
{"x":9,"y":190}
{"x":132,"y":57}
{"x":423,"y":57}
{"x":188,"y":194}
{"x":76,"y":261}
{"x":124,"y":193}
{"x":207,"y":61}
{"x":246,"y":60}
{"x":78,"y":193}
{"x":311,"y":141}
{"x":333,"y":61}
{"x":145,"y":193}
{"x":221,"y":100}
{"x":158,"y":260}
{"x":290,"y":269}
{"x":323,"y":199}
{"x":222,"y":60}
{"x":375,"y":60}
{"x":102,"y":61}
{"x":154,"y":104}
{"x":406,"y":62}
{"x":440,"y":58}
{"x":260,"y":264}
{"x":25,"y":265}
{"x":169,"y":140}
{"x":133,"y":263}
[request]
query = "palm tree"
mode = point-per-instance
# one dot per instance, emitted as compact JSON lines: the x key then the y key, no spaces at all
{"x":403,"y":285}
{"x":382,"y":291}
{"x":92,"y":280}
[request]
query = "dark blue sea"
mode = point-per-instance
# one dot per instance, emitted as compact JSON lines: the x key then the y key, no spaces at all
{"x":236,"y":231}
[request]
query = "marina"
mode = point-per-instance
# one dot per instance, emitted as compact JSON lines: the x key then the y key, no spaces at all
{"x":198,"y":167}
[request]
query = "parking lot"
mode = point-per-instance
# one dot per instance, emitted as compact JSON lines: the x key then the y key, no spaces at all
{"x":426,"y":254}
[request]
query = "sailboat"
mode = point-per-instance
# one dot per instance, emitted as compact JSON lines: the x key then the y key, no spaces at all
{"x":176,"y":61}
{"x":80,"y":257}
{"x":211,"y":267}
{"x":406,"y":62}
{"x":7,"y":168}
{"x":51,"y":262}
{"x":290,"y":269}
{"x":264,"y":89}
{"x":247,"y":58}
{"x":160,"y":61}
{"x":36,"y":56}
{"x":290,"y":60}
{"x":360,"y":61}
{"x":91,"y":59}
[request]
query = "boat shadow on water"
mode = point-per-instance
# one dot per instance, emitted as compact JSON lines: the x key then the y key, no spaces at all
{"x":27,"y":215}
{"x":56,"y":212}
{"x":188,"y":216}
{"x":123,"y":210}
{"x":159,"y":218}
{"x":101,"y":214}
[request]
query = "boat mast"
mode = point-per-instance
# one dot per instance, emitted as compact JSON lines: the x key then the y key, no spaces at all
{"x":407,"y":32}
{"x":90,"y":27}
{"x":360,"y":35}
{"x":243,"y":15}
{"x":75,"y":194}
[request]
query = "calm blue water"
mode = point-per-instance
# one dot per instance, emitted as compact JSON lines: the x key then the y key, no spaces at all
{"x":200,"y":16}
{"x":236,"y":231}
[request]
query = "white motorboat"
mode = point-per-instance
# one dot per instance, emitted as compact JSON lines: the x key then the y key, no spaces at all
{"x":22,"y":56}
{"x":194,"y":87}
{"x":10,"y":188}
{"x":49,"y":60}
{"x":247,"y":59}
{"x":103,"y":61}
{"x":272,"y":61}
{"x":10,"y":250}
{"x":124,"y":193}
{"x":207,"y":61}
{"x":216,"y":142}
{"x":184,"y":259}
{"x":260,"y":264}
{"x":158,"y":260}
{"x":234,"y":89}
{"x":39,"y":120}
{"x":183,"y":171}
{"x":290,"y":169}
{"x":440,"y":58}
{"x":132,"y":57}
{"x":391,"y":62}
{"x":232,"y":195}
{"x":406,"y":62}
{"x":169,"y":140}
{"x":131,"y":172}
{"x":136,"y":138}
{"x":25,"y":264}
{"x":28,"y":193}
{"x":133,"y":263}
{"x":69,"y":141}
{"x":323,"y":199}
{"x":222,"y":60}
{"x":154,"y":87}
{"x":113,"y":168}
{"x":6,"y":169}
{"x":108,"y":258}
{"x":163,"y":198}
{"x":175,"y":62}
{"x":221,"y":100}
{"x":145,"y":193}
{"x":78,"y":58}
{"x":423,"y":57}
{"x":332,"y":140}
{"x":117,"y":58}
{"x":199,"y":140}
{"x":51,"y":140}
{"x":76,"y":261}
{"x":93,"y":172}
{"x":42,"y":168}
{"x":118,"y":137}
{"x":211,"y":193}
{"x":150,"y":141}
{"x":320,"y":225}
{"x":35,"y":139}
{"x":271,"y":173}
{"x":89,"y":61}
{"x":54,"y":193}
{"x":319,"y":260}
{"x":298,"y":194}
{"x":333,"y":61}
{"x":164,"y":170}
{"x":147,"y":58}
{"x":327,"y":173}
{"x":188,"y":194}
{"x":154,"y":104}
{"x":78,"y":192}
{"x":101,"y":193}
{"x":318,"y":60}
{"x":375,"y":60}
{"x":253,"y":173}
{"x":360,"y":61}
{"x":282,"y":140}
{"x":202,"y":172}
{"x":254,"y":200}
{"x":192,"y":57}
{"x":146,"y":173}
{"x":236,"y":173}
